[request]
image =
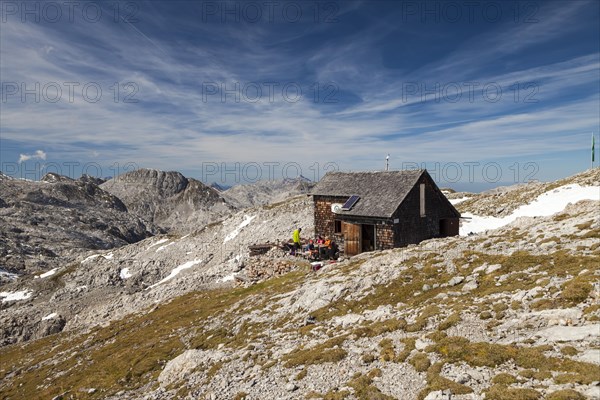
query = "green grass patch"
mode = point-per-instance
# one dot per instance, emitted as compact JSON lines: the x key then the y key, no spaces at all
{"x":420,"y":362}
{"x":585,"y":225}
{"x":449,"y":322}
{"x":364,"y":389}
{"x":437,"y":382}
{"x":423,"y":318}
{"x":328,"y":351}
{"x":302,"y":374}
{"x":482,"y":354}
{"x":566,"y":394}
{"x":409,"y":346}
{"x":424,"y":270}
{"x":544,"y":304}
{"x":503,"y":392}
{"x":380,"y":327}
{"x":576,"y":290}
{"x":128,"y":353}
{"x":569,"y":351}
{"x":401,"y":289}
{"x":591,"y":309}
{"x":549,"y":240}
{"x":504,"y":379}
{"x":331,"y":395}
{"x":368,"y":358}
{"x":533,"y":374}
{"x":387,"y":352}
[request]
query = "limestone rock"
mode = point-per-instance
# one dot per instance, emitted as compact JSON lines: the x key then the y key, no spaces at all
{"x":168,"y":199}
{"x":456,"y":280}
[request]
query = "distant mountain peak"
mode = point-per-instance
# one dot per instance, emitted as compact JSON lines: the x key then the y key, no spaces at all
{"x":168,"y":198}
{"x":52,"y":177}
{"x":219,"y":188}
{"x":298,"y":179}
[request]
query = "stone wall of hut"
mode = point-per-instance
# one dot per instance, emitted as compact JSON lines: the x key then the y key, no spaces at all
{"x":385,"y":236}
{"x":324,"y":217}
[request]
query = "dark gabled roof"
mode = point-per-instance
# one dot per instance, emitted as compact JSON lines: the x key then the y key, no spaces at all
{"x":380,"y":192}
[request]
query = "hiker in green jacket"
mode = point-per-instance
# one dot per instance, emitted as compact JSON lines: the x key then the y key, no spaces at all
{"x":296,"y":239}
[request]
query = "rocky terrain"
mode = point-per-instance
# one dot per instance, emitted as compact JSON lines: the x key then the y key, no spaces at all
{"x":268,"y":191}
{"x":102,"y":286}
{"x":502,"y":201}
{"x":219,"y":188}
{"x":45,"y":224}
{"x":511,"y":313}
{"x":168,"y":199}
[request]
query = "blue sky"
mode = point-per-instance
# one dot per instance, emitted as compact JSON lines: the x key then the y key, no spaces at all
{"x":493,"y":92}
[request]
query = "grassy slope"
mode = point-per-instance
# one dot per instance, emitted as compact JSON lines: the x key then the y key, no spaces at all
{"x":129,"y":354}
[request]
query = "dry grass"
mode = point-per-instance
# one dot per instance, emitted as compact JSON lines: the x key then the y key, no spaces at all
{"x":364,"y":390}
{"x":481,"y":354}
{"x":420,"y":362}
{"x":502,"y":392}
{"x":566,"y":394}
{"x":437,"y":382}
{"x":129,"y":353}
{"x":329,"y":351}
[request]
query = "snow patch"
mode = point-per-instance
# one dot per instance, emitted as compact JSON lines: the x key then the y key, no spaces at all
{"x":90,"y":258}
{"x":227,"y":278}
{"x":50,"y":316}
{"x":456,"y":201}
{"x":236,"y":231}
{"x":161,"y":241}
{"x":14,"y":296}
{"x":109,"y":256}
{"x":176,"y":271}
{"x":544,"y":205}
{"x":124,"y":273}
{"x":161,"y":248}
{"x":46,"y":274}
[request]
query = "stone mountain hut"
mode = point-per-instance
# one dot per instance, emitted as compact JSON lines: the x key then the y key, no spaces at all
{"x":382,"y":210}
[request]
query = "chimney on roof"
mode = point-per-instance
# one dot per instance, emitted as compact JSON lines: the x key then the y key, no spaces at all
{"x":387,"y":162}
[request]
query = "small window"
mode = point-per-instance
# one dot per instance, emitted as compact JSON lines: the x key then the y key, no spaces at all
{"x":338,"y":227}
{"x":422,"y":199}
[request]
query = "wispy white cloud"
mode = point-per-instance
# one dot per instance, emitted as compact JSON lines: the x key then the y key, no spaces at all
{"x":173,"y":126}
{"x":38,"y":155}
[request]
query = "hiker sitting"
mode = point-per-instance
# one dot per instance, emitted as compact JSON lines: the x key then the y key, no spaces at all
{"x":310,"y":246}
{"x":333,"y":251}
{"x":324,"y":248}
{"x":313,"y":252}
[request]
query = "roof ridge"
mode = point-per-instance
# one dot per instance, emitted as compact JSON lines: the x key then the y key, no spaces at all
{"x":381,"y":192}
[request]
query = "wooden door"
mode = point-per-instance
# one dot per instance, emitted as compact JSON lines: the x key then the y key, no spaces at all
{"x":449,"y":227}
{"x":352,"y":238}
